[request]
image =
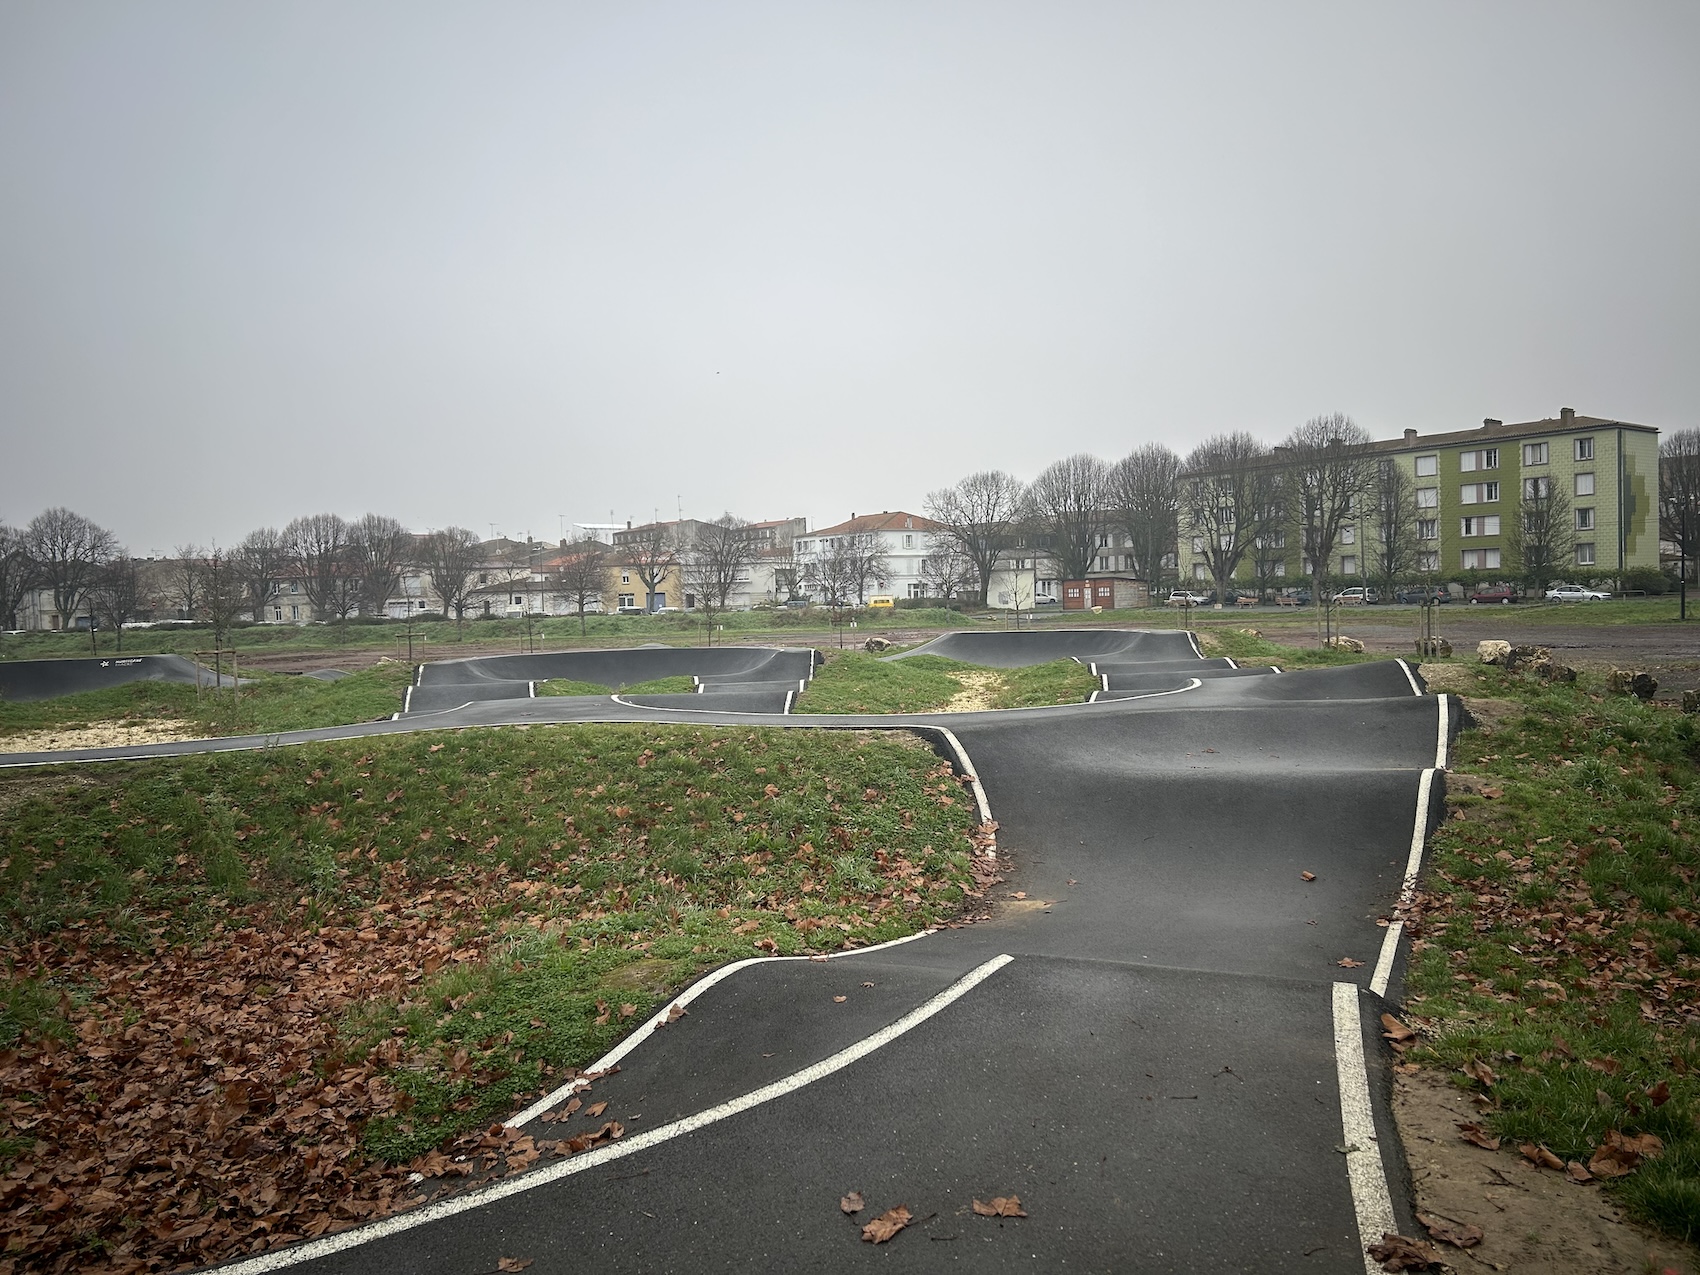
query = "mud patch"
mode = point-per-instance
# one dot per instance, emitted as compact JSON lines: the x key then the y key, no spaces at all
{"x":1534,"y":1221}
{"x":97,"y":735}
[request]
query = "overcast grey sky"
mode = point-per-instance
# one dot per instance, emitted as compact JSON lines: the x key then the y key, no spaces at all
{"x":496,"y":263}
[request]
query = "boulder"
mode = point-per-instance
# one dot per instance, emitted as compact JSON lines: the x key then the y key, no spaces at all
{"x":877,"y":644}
{"x":1691,"y":701}
{"x":1346,"y":644}
{"x":1494,"y":651}
{"x":1622,"y":681}
{"x":1433,"y":646}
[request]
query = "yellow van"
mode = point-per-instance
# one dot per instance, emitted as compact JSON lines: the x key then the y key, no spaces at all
{"x":882,"y":602}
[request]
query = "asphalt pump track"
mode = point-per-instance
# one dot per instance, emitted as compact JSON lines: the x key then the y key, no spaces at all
{"x":1166,"y":1041}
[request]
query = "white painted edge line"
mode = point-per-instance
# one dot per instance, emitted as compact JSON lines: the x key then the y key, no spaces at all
{"x":685,"y":997}
{"x":1230,"y":660}
{"x":1092,"y":698}
{"x":1440,"y":749}
{"x":1106,"y":680}
{"x":1195,"y":683}
{"x":1410,"y":677}
{"x":407,"y":699}
{"x":314,"y":1249}
{"x":789,"y":696}
{"x":1193,"y":638}
{"x":1407,"y":888}
{"x":968,"y":771}
{"x":531,"y":690}
{"x":1371,"y":1199}
{"x":419,"y":676}
{"x":1274,"y":668}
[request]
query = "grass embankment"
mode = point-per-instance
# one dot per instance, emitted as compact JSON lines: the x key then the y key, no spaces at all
{"x":681,"y":629}
{"x":243,"y":992}
{"x":270,"y":703}
{"x":655,"y":686}
{"x":856,"y":682}
{"x":1558,"y":930}
{"x":1244,"y":648}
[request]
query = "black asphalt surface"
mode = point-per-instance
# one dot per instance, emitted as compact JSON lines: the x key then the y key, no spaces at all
{"x":1154,"y":1071}
{"x":453,"y":683}
{"x":25,"y":680}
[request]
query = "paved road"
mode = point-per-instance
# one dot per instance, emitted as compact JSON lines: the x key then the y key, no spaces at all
{"x":25,"y":680}
{"x":1156,"y":1048}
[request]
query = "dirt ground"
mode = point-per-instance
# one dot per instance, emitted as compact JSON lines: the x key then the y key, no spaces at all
{"x":97,"y":735}
{"x":1534,"y":1222}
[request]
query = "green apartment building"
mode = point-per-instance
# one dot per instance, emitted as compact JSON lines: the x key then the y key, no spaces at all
{"x":1469,"y":487}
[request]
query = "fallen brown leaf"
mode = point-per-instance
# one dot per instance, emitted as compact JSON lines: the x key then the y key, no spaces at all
{"x":514,"y":1263}
{"x":1575,"y":1171}
{"x":1541,"y":1156}
{"x":1000,"y":1206}
{"x":1457,"y":1234}
{"x":1476,"y":1069}
{"x":853,"y":1203}
{"x":887,"y":1224}
{"x":1473,"y":1132}
{"x":1307,"y":876}
{"x":839,"y":1000}
{"x":1659,"y":1094}
{"x":1395,"y":1030}
{"x":1347,"y":963}
{"x":595,"y":1109}
{"x":1402,"y":1253}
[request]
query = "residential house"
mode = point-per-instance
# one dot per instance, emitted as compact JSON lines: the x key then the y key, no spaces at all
{"x":905,"y":539}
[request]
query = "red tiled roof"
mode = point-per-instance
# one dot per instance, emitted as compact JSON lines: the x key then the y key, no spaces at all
{"x":898,"y":521}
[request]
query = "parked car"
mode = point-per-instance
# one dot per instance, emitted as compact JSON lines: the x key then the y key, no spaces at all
{"x":1356,"y":597}
{"x":1413,"y":595}
{"x":882,"y":602}
{"x":797,"y":604}
{"x":1574,"y":593}
{"x":631,"y":611}
{"x":1298,"y":598}
{"x":1187,"y":598}
{"x":1502,"y":593}
{"x":1046,"y":600}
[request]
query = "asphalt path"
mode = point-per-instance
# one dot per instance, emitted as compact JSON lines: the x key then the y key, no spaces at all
{"x":22,"y":681}
{"x":1165,"y":1041}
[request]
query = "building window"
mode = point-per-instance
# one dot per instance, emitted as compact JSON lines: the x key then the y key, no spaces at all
{"x":1103,"y":540}
{"x":1478,"y":493}
{"x":1348,"y":535}
{"x":1280,"y":569}
{"x":1349,"y":565}
{"x":1584,"y":484}
{"x":1480,"y":559}
{"x":1428,"y":529}
{"x":909,"y":543}
{"x":1584,"y":449}
{"x":1103,"y":562}
{"x":1428,"y":466}
{"x":1537,"y":488}
{"x":628,"y":599}
{"x":295,"y":613}
{"x":625,"y":577}
{"x":1428,"y":498}
{"x":295,"y":586}
{"x":1488,"y":458}
{"x":1428,"y":560}
{"x":1584,"y":555}
{"x":1198,"y":544}
{"x":1487,"y":526}
{"x":277,"y":613}
{"x":1585,"y":518}
{"x":1534,"y":453}
{"x":1198,"y":571}
{"x":518,"y":601}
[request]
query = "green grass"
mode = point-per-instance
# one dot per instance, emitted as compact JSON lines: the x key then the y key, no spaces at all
{"x":273,"y":702}
{"x":1559,"y":938}
{"x":1059,"y":682}
{"x":661,"y":686}
{"x":566,"y":686}
{"x":1244,"y":648}
{"x":566,"y":866}
{"x":857,"y":682}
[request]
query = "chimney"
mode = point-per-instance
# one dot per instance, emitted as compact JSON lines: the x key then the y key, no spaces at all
{"x":1410,"y":436}
{"x":1488,"y":422}
{"x":628,"y":524}
{"x":1567,"y":417}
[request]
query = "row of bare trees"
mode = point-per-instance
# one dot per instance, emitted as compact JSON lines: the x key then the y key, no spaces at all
{"x":1239,"y":501}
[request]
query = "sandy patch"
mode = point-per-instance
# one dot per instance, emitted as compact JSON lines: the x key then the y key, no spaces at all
{"x":1533,"y":1220}
{"x":97,"y":735}
{"x":976,"y":692}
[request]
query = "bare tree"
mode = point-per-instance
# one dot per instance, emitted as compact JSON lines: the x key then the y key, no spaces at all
{"x":868,"y":563}
{"x":1390,"y":525}
{"x":318,"y":547}
{"x":582,"y":577}
{"x":116,"y":594}
{"x":835,"y":572}
{"x":259,"y":563}
{"x":1268,"y":530}
{"x":979,"y":516}
{"x":225,"y":596}
{"x":651,"y":553}
{"x":1541,"y":540}
{"x":451,"y":558}
{"x":1225,"y":499}
{"x":722,"y":553}
{"x":186,"y":579}
{"x":68,"y":551}
{"x":379,"y":548}
{"x":1679,"y":495}
{"x":1068,"y":508}
{"x":947,"y":572}
{"x":1330,"y":467}
{"x":17,"y":575}
{"x":1145,"y":497}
